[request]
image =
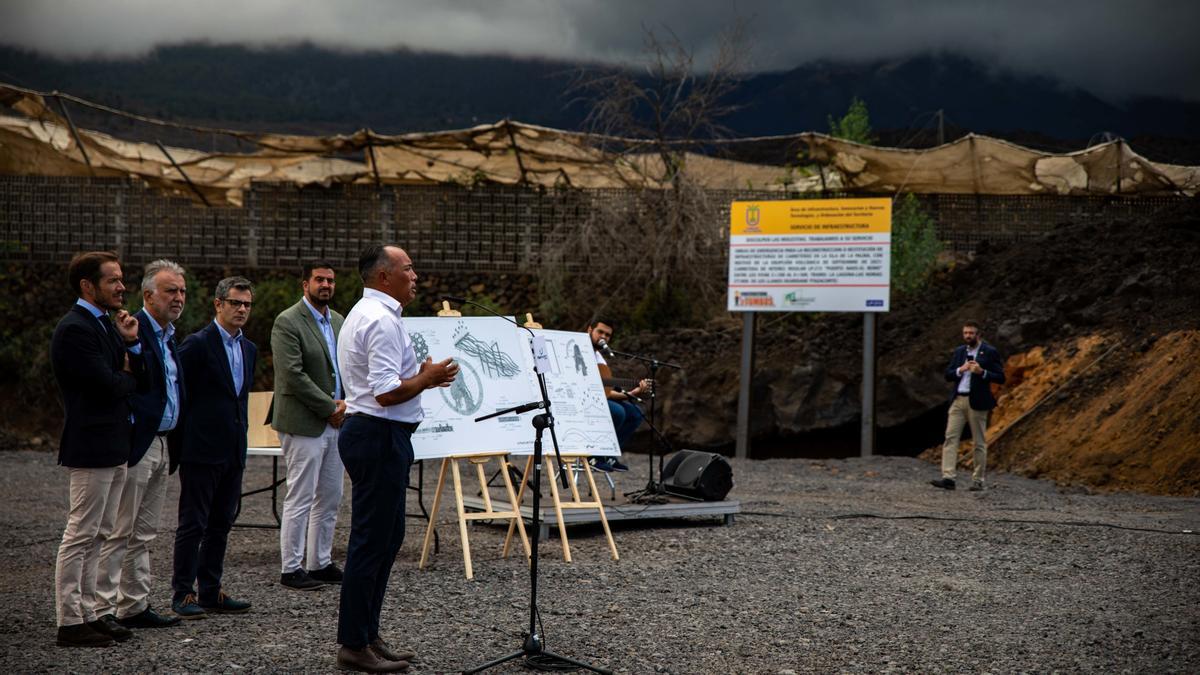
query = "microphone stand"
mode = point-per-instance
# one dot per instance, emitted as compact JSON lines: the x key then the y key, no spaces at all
{"x":654,"y":492}
{"x":532,"y":647}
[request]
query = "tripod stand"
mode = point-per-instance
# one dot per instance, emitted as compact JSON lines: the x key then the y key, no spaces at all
{"x":653,"y":493}
{"x":532,"y":648}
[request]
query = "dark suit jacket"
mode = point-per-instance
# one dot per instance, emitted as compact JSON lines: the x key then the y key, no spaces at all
{"x":148,"y":406}
{"x":214,"y":424}
{"x":993,"y":373}
{"x":88,"y":364}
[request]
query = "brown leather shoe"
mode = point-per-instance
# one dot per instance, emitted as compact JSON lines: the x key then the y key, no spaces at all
{"x":367,"y":661}
{"x":385,"y":651}
{"x":81,"y":635}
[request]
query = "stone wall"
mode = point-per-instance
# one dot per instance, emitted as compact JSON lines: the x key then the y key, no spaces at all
{"x":490,"y":229}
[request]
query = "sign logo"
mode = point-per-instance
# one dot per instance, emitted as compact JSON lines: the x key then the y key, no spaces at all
{"x":753,"y":216}
{"x":874,"y":303}
{"x":794,"y":299}
{"x":753,"y":299}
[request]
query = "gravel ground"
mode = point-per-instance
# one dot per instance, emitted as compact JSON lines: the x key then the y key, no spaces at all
{"x":834,"y":565}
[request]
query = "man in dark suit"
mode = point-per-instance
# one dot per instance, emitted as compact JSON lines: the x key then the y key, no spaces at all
{"x":97,"y":364}
{"x":123,"y":584}
{"x":974,"y":367}
{"x":218,"y":369}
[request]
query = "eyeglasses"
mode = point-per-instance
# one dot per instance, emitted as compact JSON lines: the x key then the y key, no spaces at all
{"x":237,"y":303}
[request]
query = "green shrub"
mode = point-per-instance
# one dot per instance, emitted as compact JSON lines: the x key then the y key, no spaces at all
{"x":855,"y":125}
{"x":915,"y":246}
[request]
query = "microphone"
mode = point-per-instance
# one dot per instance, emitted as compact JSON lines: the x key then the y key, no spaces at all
{"x":461,"y":301}
{"x":604,"y":349}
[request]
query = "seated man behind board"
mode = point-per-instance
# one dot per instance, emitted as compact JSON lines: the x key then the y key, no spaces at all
{"x":621,"y":404}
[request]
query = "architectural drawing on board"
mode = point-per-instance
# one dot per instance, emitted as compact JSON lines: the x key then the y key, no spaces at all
{"x":580,"y":362}
{"x":492,"y":359}
{"x":420,"y":347}
{"x":465,"y":395}
{"x":581,"y":416}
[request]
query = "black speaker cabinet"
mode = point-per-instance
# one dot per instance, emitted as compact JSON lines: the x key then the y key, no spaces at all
{"x":705,"y":476}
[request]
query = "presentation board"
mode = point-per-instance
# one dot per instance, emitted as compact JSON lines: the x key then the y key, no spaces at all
{"x":496,"y":372}
{"x":493,"y":375}
{"x":582,"y":421}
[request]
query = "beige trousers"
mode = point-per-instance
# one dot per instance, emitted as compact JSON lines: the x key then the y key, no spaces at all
{"x":123,"y":578}
{"x":95,"y":495}
{"x":960,"y":415}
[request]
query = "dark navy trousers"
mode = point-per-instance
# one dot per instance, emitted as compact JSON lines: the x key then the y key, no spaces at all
{"x":377,"y":454}
{"x":208,"y":501}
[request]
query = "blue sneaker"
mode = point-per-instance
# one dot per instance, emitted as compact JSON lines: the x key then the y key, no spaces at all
{"x":226,"y":605}
{"x":187,"y":608}
{"x":617,"y":465}
{"x":604,"y":464}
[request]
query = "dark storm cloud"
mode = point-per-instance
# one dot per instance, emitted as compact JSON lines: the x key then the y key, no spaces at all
{"x":1112,"y":48}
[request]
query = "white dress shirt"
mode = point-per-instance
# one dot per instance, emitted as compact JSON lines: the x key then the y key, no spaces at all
{"x":374,"y":355}
{"x":964,"y":379}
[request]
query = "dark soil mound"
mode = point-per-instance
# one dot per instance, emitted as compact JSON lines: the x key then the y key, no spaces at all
{"x":1131,"y":282}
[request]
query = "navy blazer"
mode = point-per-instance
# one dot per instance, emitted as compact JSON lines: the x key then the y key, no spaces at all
{"x":993,"y":373}
{"x":89,"y":366}
{"x":148,"y":406}
{"x":213,"y":430}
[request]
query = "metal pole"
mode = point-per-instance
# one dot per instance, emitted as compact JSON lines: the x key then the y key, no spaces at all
{"x":75,"y":133}
{"x":187,"y":180}
{"x":868,"y":385}
{"x":742,"y":446}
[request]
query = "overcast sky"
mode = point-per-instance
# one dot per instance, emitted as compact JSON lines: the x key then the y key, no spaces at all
{"x":1115,"y":48}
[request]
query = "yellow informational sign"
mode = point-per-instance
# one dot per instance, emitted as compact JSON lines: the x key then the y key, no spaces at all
{"x":810,"y":255}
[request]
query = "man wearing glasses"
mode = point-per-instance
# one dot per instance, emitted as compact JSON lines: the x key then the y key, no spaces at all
{"x":218,"y":368}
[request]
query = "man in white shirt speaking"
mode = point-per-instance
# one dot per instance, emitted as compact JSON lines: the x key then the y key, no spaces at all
{"x":383,"y":383}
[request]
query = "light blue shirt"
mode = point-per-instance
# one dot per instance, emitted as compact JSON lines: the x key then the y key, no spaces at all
{"x":330,"y":344}
{"x":102,"y":317}
{"x":233,"y":351}
{"x":171,"y":370}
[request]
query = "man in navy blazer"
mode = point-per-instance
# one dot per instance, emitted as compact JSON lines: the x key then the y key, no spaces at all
{"x":123,"y":584}
{"x":974,"y":367}
{"x":218,"y":370}
{"x":97,"y":365}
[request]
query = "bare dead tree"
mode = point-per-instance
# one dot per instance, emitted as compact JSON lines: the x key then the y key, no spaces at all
{"x":653,"y":249}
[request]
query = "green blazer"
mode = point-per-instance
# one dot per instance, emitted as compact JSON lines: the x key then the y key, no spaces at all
{"x":304,"y":379}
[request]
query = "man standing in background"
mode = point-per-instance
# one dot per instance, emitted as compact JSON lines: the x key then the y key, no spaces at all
{"x":123,"y":583}
{"x":307,"y":411}
{"x":974,"y":367}
{"x":97,"y":365}
{"x":218,"y":369}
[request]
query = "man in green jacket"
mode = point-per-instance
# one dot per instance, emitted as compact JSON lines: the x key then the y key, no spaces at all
{"x":307,"y":411}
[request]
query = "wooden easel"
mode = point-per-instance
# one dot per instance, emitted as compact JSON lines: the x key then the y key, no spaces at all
{"x":513,"y":515}
{"x":576,"y":502}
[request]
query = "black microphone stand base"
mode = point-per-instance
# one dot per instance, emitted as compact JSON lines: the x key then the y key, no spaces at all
{"x":653,"y":493}
{"x":537,"y":658}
